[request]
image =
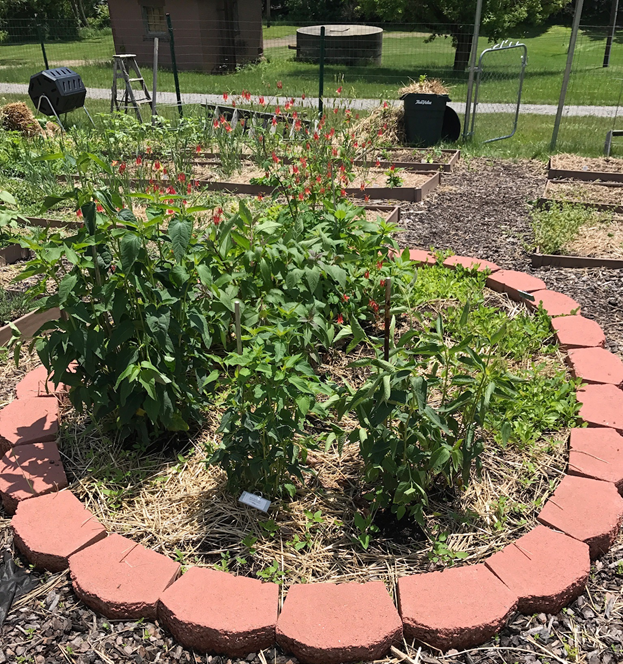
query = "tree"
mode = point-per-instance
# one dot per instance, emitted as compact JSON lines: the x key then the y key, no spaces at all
{"x":456,"y":18}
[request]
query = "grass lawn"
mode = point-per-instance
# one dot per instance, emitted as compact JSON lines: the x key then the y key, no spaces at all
{"x":581,"y":135}
{"x":405,"y":55}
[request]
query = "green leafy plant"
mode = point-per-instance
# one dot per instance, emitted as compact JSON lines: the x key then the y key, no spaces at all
{"x":556,"y":226}
{"x":442,"y":554}
{"x":421,"y":414}
{"x":393,"y":177}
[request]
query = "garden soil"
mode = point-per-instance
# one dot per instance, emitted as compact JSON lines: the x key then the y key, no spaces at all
{"x":480,"y":210}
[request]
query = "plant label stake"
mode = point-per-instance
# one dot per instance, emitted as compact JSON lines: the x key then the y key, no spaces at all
{"x":388,"y":297}
{"x":253,"y":500}
{"x":238,"y":333}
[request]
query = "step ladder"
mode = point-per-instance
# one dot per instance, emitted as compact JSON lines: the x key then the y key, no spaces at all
{"x":123,"y":66}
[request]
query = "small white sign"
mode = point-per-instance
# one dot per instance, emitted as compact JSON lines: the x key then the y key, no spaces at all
{"x":254,"y":500}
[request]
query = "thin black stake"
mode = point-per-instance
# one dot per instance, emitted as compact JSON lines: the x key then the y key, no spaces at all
{"x":178,"y":94}
{"x":388,"y":316}
{"x":321,"y":73}
{"x":40,"y":35}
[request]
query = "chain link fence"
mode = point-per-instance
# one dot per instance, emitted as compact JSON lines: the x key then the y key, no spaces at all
{"x":366,"y":63}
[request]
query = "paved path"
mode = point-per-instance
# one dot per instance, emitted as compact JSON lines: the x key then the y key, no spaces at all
{"x":168,"y":98}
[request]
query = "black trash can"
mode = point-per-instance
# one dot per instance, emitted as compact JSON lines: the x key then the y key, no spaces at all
{"x":424,"y":118}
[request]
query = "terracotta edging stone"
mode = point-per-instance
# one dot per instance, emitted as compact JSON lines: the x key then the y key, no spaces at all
{"x":470,"y":263}
{"x":586,"y":509}
{"x":327,"y":623}
{"x":602,"y":406}
{"x":208,"y":610}
{"x":512,"y":281}
{"x":36,"y":384}
{"x":460,"y":607}
{"x":48,"y":529}
{"x":596,"y":365}
{"x":27,"y":471}
{"x":554,"y":303}
{"x":120,"y":578}
{"x":26,"y":421}
{"x":578,"y":332}
{"x":597,"y":453}
{"x":421,"y":257}
{"x":545,"y":569}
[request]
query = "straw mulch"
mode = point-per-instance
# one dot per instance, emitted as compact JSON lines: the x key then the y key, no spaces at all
{"x":389,"y":121}
{"x":425,"y":86}
{"x":176,"y":504}
{"x":18,"y":117}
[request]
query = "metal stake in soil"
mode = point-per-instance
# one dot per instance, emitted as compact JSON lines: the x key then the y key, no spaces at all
{"x":40,"y":35}
{"x":321,"y":73}
{"x":174,"y":63}
{"x":238,"y":330}
{"x":388,"y":298}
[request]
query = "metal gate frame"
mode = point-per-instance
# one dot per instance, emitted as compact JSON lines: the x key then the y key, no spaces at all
{"x":506,"y":45}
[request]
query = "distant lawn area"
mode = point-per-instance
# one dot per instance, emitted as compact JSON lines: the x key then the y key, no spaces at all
{"x":405,"y":55}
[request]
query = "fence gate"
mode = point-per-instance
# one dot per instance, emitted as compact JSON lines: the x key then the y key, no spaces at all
{"x":497,"y":91}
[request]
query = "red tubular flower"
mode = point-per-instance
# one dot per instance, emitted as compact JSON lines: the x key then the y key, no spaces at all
{"x":262,"y":101}
{"x":363,"y":186}
{"x":392,"y":168}
{"x":225,"y":96}
{"x":366,"y":198}
{"x":277,"y":110}
{"x":297,"y":125}
{"x":307,"y":191}
{"x":301,"y":196}
{"x":340,"y":319}
{"x":279,"y":85}
{"x":189,"y":189}
{"x":100,"y":207}
{"x":339,"y":90}
{"x":343,"y":192}
{"x":148,"y":149}
{"x":382,"y":282}
{"x":385,"y":104}
{"x":170,"y":211}
{"x":334,"y":151}
{"x":366,"y":274}
{"x":198,"y":149}
{"x":380,"y":132}
{"x":139,"y":161}
{"x":171,"y":190}
{"x":295,"y":169}
{"x":274,"y":121}
{"x":260,"y":197}
{"x":346,"y":297}
{"x":215,"y":124}
{"x":79,"y":213}
{"x":181,"y":177}
{"x":303,"y":96}
{"x":157,"y":165}
{"x":378,"y":163}
{"x":303,"y":162}
{"x":275,"y":158}
{"x":379,"y":265}
{"x":122,"y":167}
{"x":165,"y":171}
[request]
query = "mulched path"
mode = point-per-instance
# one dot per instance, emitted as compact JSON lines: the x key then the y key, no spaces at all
{"x":481,"y":210}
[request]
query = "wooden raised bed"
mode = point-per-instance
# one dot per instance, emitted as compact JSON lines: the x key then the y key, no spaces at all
{"x":548,"y":197}
{"x":410,"y":194}
{"x":28,"y":324}
{"x":446,"y":167}
{"x":584,"y":175}
{"x":555,"y":260}
{"x":392,"y":212}
{"x":12,"y":254}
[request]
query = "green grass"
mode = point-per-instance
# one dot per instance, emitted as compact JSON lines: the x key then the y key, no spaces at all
{"x":405,"y":56}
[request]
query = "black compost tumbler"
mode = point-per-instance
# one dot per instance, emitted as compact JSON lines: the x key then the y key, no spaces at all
{"x":424,"y":115}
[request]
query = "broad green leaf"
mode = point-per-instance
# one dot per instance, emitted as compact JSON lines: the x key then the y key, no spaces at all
{"x":179,"y":232}
{"x":130,"y":248}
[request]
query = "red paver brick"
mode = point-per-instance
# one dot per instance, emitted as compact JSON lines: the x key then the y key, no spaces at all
{"x":471,"y":263}
{"x":554,"y":303}
{"x":596,"y":365}
{"x":27,"y":471}
{"x":50,"y":528}
{"x":586,"y":509}
{"x":602,"y":406}
{"x":26,"y":421}
{"x":207,"y":610}
{"x":578,"y":332}
{"x":421,"y":256}
{"x":598,"y":453}
{"x":325,"y":623}
{"x":511,"y":282}
{"x":545,"y":569}
{"x":36,"y":384}
{"x":121,"y":578}
{"x":459,"y":607}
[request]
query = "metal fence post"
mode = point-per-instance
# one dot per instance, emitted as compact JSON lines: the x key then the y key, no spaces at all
{"x":154,"y":93}
{"x":614,"y":11}
{"x":40,"y":36}
{"x":472,"y":66}
{"x":321,"y":73}
{"x":565,"y":80}
{"x":174,"y":63}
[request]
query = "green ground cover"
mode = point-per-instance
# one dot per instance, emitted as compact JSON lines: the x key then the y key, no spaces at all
{"x":405,"y":55}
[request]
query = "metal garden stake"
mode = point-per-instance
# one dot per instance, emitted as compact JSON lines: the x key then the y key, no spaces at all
{"x":238,"y":329}
{"x":388,"y":297}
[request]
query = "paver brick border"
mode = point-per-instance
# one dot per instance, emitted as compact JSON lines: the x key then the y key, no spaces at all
{"x":543,"y":571}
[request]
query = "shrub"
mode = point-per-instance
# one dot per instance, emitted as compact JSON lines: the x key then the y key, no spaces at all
{"x":421,"y":416}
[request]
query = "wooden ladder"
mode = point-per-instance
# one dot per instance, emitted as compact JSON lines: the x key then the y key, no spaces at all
{"x":123,"y":66}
